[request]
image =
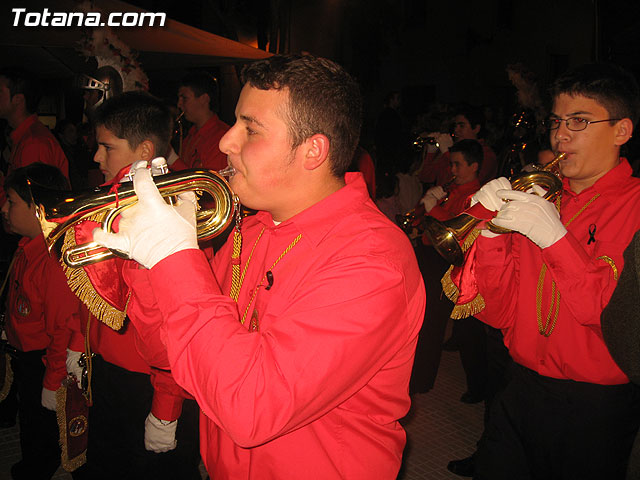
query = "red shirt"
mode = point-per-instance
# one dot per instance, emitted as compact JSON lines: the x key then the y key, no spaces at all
{"x":201,"y":149}
{"x":508,"y":268}
{"x":39,"y":305}
{"x":33,"y":142}
{"x":438,"y":170}
{"x":317,"y":390}
{"x":365,"y":166}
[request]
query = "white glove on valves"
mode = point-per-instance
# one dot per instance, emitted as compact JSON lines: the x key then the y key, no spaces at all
{"x":487,"y":195}
{"x":532,"y":216}
{"x":152,"y":230}
{"x":159,"y":435}
{"x":48,"y":399}
{"x":73,"y":367}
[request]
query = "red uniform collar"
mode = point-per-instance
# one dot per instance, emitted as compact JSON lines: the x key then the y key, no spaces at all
{"x":21,"y":129}
{"x":316,"y":221}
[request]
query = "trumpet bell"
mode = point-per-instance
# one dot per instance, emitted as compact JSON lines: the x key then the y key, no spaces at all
{"x":446,"y":237}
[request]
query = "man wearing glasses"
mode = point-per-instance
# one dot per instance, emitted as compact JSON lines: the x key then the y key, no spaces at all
{"x":569,"y":411}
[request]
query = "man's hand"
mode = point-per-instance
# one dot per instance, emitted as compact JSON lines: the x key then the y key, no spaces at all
{"x":532,"y":216}
{"x":48,"y":399}
{"x":152,"y":230}
{"x":488,"y":196}
{"x":73,"y":366}
{"x":159,"y":435}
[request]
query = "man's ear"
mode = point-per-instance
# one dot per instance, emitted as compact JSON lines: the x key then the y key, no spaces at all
{"x":624,"y":129}
{"x":316,"y":151}
{"x":146,"y":150}
{"x":204,"y":100}
{"x":18,"y":101}
{"x":476,"y":130}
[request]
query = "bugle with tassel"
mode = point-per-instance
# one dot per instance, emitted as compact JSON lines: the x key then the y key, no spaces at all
{"x":60,"y":211}
{"x":447,"y":237}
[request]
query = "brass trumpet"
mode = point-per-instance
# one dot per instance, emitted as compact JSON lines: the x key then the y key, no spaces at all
{"x":60,"y":211}
{"x":447,"y":237}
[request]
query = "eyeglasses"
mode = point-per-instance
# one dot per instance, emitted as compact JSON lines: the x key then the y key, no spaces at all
{"x":574,"y":124}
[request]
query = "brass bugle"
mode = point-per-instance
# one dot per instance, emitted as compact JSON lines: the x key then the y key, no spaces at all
{"x":60,"y":211}
{"x":447,"y":237}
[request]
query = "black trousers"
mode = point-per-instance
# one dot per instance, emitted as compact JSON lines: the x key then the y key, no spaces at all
{"x":470,"y":335}
{"x":121,"y":402}
{"x":39,"y":436}
{"x":545,"y":429}
{"x":436,"y":315}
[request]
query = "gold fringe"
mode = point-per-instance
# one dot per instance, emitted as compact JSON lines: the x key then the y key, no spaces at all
{"x":68,"y":464}
{"x":80,"y":284}
{"x":469,"y":239}
{"x":468,"y":309}
{"x":452,"y":292}
{"x":449,"y":288}
{"x":8,"y":378}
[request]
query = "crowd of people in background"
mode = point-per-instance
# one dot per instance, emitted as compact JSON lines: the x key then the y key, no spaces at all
{"x":436,"y":164}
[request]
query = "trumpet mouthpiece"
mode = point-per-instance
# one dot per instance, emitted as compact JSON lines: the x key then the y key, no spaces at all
{"x":227,"y":172}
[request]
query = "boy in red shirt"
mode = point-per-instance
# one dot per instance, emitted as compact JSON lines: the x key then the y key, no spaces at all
{"x":39,"y":305}
{"x":134,"y":417}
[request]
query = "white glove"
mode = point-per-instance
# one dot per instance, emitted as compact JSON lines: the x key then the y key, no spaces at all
{"x":159,"y":435}
{"x":432,"y":197}
{"x":49,"y":399}
{"x":437,"y":191}
{"x":73,"y":367}
{"x":445,"y":141}
{"x":152,"y":230}
{"x":487,"y":194}
{"x":532,"y":216}
{"x":429,"y":201}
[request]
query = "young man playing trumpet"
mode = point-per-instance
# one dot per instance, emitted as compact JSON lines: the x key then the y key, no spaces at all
{"x":301,"y":362}
{"x":569,"y":411}
{"x":465,"y":158}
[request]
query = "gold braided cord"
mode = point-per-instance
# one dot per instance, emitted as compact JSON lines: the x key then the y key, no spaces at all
{"x":611,"y":263}
{"x":253,"y":249}
{"x":554,"y":305}
{"x":235,"y":265}
{"x":255,"y":290}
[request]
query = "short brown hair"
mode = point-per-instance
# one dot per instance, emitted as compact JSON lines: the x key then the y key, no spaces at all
{"x":323,"y":98}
